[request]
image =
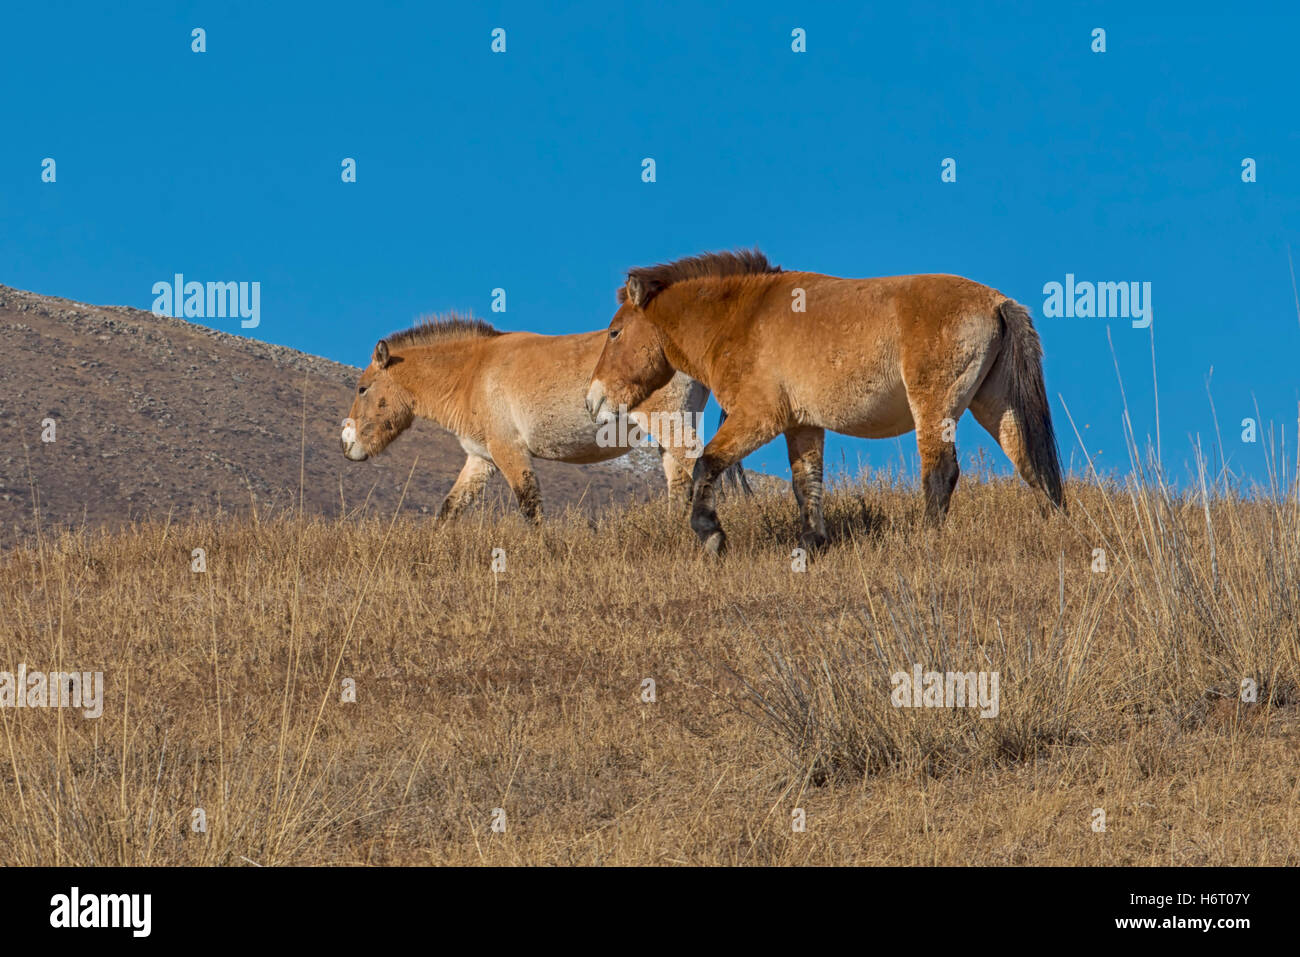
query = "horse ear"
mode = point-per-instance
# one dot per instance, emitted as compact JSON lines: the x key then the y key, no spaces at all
{"x":382,"y":358}
{"x":636,"y":291}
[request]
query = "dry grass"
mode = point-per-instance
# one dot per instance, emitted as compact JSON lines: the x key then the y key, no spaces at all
{"x":522,"y":691}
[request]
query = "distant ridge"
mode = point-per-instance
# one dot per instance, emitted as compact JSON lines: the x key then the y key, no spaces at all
{"x":154,"y":414}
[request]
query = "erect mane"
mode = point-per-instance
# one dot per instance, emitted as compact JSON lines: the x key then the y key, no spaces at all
{"x":646,"y":282}
{"x":441,"y":328}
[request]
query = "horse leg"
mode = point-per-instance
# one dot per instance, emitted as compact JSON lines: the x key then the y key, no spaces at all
{"x":939,"y":472}
{"x":937,"y":403}
{"x":804,"y":445}
{"x":678,"y":477}
{"x":516,"y":465}
{"x":679,"y":444}
{"x":668,"y":416}
{"x":467,"y":487}
{"x":736,"y":438}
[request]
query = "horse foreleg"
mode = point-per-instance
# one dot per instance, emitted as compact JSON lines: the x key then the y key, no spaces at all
{"x":516,"y":467}
{"x":737,"y":437}
{"x":467,"y":487}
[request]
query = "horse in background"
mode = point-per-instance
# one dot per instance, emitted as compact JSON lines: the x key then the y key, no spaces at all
{"x":510,"y":397}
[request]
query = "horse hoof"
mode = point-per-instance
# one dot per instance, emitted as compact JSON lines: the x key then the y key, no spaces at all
{"x":716,"y":544}
{"x":812,"y":543}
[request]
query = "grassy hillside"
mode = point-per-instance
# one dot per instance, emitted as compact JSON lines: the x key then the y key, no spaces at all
{"x":523,"y":690}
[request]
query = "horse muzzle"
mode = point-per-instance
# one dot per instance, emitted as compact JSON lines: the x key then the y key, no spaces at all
{"x":597,"y":406}
{"x":349,"y":439}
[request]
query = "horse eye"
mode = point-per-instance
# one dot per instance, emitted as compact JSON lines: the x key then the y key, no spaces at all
{"x":361,"y":390}
{"x":613,"y":333}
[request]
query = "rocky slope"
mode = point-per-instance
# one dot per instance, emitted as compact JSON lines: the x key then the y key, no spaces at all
{"x":155,"y":415}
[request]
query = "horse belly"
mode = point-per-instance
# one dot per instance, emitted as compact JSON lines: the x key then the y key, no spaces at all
{"x":568,"y":437}
{"x":872,"y":414}
{"x":473,"y":447}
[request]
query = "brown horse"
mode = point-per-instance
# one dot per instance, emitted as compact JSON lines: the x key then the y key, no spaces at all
{"x":799,"y":352}
{"x":510,"y":397}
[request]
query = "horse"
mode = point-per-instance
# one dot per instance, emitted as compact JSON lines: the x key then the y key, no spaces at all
{"x":800,"y":352}
{"x":510,"y":397}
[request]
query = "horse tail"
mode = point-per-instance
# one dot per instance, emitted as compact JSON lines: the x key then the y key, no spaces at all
{"x":1028,"y":399}
{"x":734,"y":477}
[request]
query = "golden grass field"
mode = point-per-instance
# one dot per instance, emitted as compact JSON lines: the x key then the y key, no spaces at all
{"x":523,"y":690}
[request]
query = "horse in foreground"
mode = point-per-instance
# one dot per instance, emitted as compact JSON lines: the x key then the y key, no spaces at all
{"x":799,"y":352}
{"x":509,"y":397}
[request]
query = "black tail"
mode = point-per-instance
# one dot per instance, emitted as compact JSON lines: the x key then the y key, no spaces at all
{"x":734,"y":477}
{"x":1029,"y":398}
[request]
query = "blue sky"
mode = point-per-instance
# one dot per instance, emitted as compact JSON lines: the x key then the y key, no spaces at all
{"x":522,"y":170}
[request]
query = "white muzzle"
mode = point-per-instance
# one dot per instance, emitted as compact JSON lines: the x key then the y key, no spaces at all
{"x":597,"y":407}
{"x":351,"y":446}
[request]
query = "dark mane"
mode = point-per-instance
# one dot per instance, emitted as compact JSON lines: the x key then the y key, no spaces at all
{"x":646,"y":282}
{"x":439,"y":328}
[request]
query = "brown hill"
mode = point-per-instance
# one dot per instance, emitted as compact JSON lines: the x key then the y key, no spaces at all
{"x":155,"y":415}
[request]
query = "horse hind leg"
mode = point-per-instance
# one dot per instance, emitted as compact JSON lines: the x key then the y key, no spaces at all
{"x":939,"y":469}
{"x":678,"y":477}
{"x":805,"y":448}
{"x":935,"y":412}
{"x":670,"y":419}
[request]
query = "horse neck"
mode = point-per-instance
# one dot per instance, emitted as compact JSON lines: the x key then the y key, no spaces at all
{"x":438,"y":378}
{"x":691,"y":328}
